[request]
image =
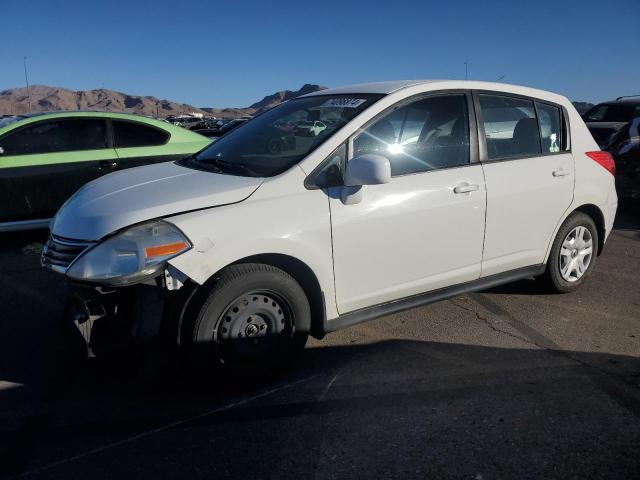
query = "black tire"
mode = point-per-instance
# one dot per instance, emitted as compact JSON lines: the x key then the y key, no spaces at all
{"x":254,"y":314}
{"x":553,"y":277}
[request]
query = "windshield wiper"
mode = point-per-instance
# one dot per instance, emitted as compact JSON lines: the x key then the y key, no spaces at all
{"x":201,"y":163}
{"x":238,"y":167}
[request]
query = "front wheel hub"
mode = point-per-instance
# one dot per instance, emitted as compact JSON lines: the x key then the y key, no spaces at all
{"x":253,"y":324}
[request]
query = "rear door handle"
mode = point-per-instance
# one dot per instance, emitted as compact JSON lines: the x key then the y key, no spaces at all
{"x":465,"y":187}
{"x":560,"y":172}
{"x":107,"y":164}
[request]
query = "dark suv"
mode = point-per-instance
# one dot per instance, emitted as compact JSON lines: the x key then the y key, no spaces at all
{"x":615,"y":126}
{"x":606,"y":119}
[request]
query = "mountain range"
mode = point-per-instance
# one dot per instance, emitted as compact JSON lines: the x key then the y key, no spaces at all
{"x":46,"y":98}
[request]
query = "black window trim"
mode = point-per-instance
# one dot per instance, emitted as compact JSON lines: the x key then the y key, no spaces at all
{"x":108,"y":139}
{"x":566,"y":131}
{"x":310,"y":182}
{"x":482,"y":141}
{"x":110,"y":121}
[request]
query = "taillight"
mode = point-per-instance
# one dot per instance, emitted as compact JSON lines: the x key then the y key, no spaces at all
{"x":605,"y":159}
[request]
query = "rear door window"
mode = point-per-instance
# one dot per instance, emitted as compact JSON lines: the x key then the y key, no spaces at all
{"x":510,"y":127}
{"x":131,"y":134}
{"x":50,"y":136}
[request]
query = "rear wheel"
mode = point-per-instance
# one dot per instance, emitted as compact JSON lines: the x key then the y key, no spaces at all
{"x":573,"y":253}
{"x":254,"y":314}
{"x":275,"y":146}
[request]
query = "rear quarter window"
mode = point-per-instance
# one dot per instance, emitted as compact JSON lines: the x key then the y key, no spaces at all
{"x":550,"y":119}
{"x":132,"y":134}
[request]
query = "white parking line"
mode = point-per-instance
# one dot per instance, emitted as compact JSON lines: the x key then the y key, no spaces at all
{"x":323,"y":395}
{"x":162,"y":428}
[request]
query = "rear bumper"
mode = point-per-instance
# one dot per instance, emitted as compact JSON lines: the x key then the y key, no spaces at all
{"x":609,"y":211}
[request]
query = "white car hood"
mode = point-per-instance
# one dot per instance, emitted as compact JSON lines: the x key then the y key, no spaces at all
{"x":135,"y":195}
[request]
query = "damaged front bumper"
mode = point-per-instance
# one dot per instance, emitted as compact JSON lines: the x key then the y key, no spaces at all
{"x":117,"y":310}
{"x":113,"y":318}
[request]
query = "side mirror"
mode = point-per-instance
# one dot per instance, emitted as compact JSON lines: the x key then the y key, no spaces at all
{"x":367,"y":169}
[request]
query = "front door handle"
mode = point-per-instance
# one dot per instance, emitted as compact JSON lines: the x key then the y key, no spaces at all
{"x":107,"y":164}
{"x":465,"y":187}
{"x":560,"y":172}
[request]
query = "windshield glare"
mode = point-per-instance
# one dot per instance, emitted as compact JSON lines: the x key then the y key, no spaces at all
{"x":276,"y":140}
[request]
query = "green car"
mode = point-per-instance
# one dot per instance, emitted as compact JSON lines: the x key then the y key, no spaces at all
{"x":46,"y":157}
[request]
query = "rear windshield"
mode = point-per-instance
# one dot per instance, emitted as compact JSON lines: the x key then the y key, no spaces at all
{"x":613,"y":112}
{"x":276,"y":140}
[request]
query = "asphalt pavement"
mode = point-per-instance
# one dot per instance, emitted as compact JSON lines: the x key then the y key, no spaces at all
{"x":511,"y":382}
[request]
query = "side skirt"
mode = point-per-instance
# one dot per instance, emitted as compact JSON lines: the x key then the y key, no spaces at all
{"x":395,"y":306}
{"x":40,"y":223}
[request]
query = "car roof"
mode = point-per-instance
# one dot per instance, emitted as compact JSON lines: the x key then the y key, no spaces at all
{"x":177,"y":133}
{"x":393,"y":86}
{"x":631,"y":100}
{"x":372,"y":87}
{"x":79,"y":113}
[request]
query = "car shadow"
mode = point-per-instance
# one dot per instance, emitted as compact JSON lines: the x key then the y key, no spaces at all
{"x":627,"y":223}
{"x":35,"y":344}
{"x":396,"y":378}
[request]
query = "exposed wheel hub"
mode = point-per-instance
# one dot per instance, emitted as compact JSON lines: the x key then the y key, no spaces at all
{"x":256,"y":326}
{"x":252,"y":323}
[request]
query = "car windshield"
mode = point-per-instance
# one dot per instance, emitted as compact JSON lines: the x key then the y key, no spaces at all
{"x":274,"y":141}
{"x":4,"y":121}
{"x":615,"y":112}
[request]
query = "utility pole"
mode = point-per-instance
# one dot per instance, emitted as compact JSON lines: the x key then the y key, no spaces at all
{"x":26,"y":79}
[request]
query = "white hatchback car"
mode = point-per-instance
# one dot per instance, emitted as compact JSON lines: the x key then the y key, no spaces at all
{"x":414,"y":192}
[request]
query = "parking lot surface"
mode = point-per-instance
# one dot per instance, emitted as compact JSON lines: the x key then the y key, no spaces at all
{"x":507,"y":383}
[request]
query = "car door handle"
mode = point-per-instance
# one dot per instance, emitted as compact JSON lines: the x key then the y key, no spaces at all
{"x":106,"y":164}
{"x":465,"y":188}
{"x":560,"y":172}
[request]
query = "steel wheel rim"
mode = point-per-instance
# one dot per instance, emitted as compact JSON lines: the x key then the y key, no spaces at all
{"x":254,"y":324}
{"x":576,"y":253}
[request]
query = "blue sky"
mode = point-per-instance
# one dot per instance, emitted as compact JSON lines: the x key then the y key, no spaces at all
{"x":232,"y":53}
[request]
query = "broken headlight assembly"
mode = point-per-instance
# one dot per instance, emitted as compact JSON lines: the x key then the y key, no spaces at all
{"x":131,"y":255}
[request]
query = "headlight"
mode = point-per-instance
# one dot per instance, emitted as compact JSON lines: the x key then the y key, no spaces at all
{"x":130,"y":255}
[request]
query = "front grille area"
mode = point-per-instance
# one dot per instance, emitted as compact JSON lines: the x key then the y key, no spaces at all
{"x":58,"y":252}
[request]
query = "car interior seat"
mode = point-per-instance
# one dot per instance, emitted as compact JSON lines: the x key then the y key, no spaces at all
{"x":526,"y":137}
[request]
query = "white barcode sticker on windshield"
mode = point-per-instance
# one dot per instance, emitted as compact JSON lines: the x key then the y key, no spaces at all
{"x":344,"y":102}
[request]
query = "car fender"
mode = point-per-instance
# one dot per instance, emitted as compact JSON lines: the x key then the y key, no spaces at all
{"x":282,"y":217}
{"x":593,"y":186}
